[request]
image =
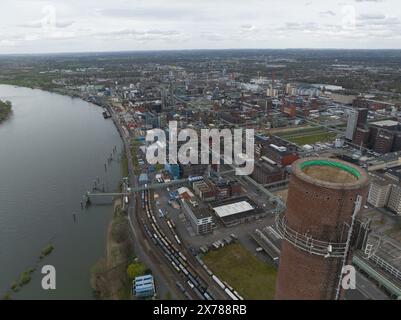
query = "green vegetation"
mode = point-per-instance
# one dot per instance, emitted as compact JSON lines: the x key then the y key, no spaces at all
{"x":251,"y":277}
{"x":308,"y":136}
{"x":124,"y":165}
{"x":311,"y":139}
{"x":24,"y":279}
{"x":136,"y":269}
{"x":5,"y":109}
{"x":46,"y":251}
{"x":134,"y":152}
{"x":14,"y":286}
{"x":111,"y":276}
{"x":7,"y":296}
{"x":30,"y":79}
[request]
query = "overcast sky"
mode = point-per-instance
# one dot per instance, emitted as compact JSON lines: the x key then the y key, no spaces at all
{"x":35,"y":26}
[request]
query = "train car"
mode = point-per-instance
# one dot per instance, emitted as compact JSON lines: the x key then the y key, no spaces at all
{"x":202,"y":285}
{"x":182,"y":256}
{"x":190,"y":284}
{"x":207,"y":296}
{"x":177,"y":239}
{"x":175,"y":266}
{"x":184,"y":271}
{"x":238,"y":295}
{"x":193,"y":280}
{"x":230,"y":294}
{"x":169,"y":242}
{"x":198,"y":293}
{"x":218,"y":281}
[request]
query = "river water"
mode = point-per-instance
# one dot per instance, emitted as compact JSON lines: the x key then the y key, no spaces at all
{"x":51,"y":150}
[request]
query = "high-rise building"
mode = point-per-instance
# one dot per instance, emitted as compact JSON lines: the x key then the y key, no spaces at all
{"x":384,"y":141}
{"x":379,"y":193}
{"x":362,"y":117}
{"x":394,"y":200}
{"x":321,"y":228}
{"x":361,"y":137}
{"x":351,"y":125}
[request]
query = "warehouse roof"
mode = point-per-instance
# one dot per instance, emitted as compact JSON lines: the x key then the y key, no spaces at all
{"x":385,"y":123}
{"x":233,"y":208}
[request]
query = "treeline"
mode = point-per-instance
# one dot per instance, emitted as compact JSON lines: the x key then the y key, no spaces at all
{"x":5,"y":109}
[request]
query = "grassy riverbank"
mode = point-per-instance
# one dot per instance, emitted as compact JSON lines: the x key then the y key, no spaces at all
{"x":109,"y":278}
{"x":5,"y":110}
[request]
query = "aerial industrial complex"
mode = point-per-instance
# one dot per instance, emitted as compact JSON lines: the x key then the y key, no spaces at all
{"x":324,"y":193}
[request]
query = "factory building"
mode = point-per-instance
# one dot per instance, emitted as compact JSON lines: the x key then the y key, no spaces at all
{"x":204,"y":190}
{"x":266,"y":172}
{"x":232,"y":212}
{"x":200,"y":217}
{"x":321,"y":228}
{"x":282,"y":155}
{"x":144,"y":287}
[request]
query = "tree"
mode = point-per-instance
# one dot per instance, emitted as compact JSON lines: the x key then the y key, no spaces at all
{"x":136,"y":270}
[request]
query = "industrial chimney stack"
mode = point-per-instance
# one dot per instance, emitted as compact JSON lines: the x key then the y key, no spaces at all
{"x":320,"y":228}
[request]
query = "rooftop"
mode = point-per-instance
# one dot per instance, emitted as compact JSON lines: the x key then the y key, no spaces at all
{"x":385,"y":123}
{"x":233,"y":208}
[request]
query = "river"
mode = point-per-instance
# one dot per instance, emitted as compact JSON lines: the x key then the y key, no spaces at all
{"x":52,"y":149}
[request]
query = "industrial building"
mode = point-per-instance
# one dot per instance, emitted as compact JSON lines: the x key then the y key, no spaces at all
{"x":199,"y":216}
{"x":321,"y":228}
{"x":266,"y":172}
{"x":143,"y":179}
{"x":144,"y":286}
{"x":232,"y":212}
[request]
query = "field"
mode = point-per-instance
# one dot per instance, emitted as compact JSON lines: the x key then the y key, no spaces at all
{"x":250,"y":277}
{"x":308,"y":136}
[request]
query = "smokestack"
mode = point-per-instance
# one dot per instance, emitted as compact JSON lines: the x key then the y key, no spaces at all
{"x":324,"y":200}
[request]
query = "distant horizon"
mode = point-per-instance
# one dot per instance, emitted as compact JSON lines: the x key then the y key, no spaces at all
{"x":189,"y":50}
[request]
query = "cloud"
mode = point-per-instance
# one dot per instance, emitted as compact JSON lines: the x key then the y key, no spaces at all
{"x":7,"y":43}
{"x":40,"y":24}
{"x":372,"y":16}
{"x":327,"y":13}
{"x":248,"y":27}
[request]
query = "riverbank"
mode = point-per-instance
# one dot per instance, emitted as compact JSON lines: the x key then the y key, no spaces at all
{"x":5,"y":110}
{"x":109,"y":278}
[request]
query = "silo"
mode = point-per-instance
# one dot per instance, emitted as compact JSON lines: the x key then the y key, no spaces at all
{"x":319,"y":227}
